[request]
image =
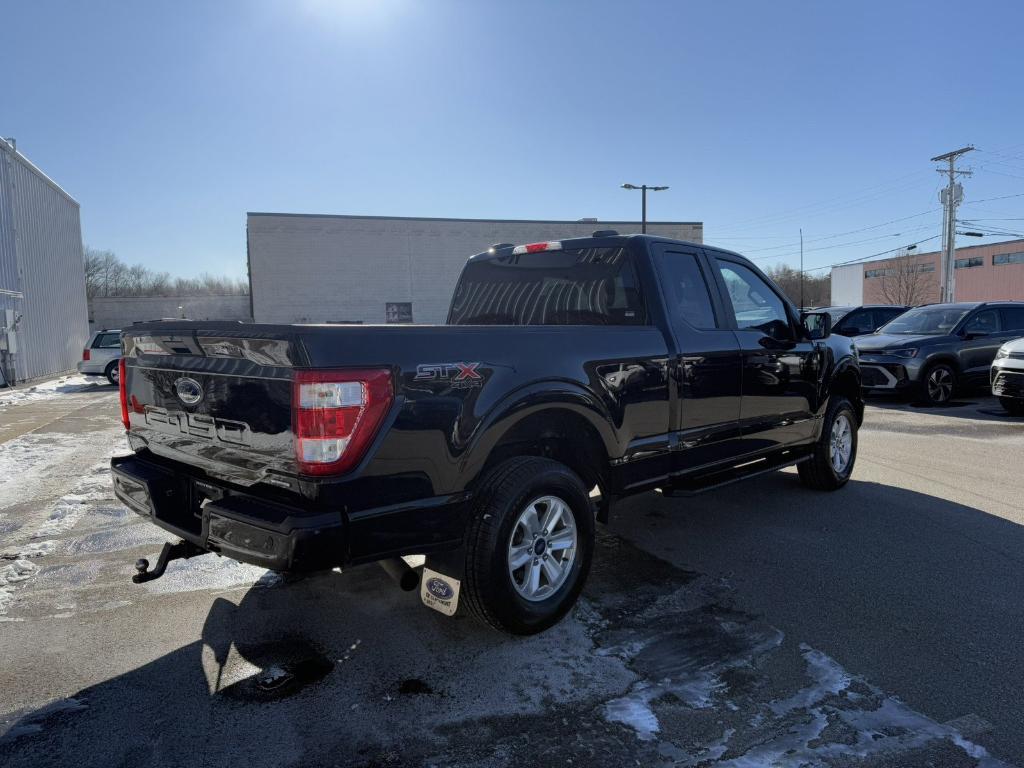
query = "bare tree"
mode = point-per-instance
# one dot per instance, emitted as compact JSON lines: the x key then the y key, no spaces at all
{"x":816,"y":287}
{"x":906,"y":281}
{"x":107,"y":275}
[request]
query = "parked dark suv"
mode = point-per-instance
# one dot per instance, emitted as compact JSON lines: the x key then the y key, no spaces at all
{"x":857,"y":321}
{"x":931,"y":351}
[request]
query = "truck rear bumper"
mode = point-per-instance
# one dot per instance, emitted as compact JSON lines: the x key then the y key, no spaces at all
{"x":252,"y":530}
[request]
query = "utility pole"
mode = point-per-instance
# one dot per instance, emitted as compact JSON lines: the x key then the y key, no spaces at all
{"x":950,"y":197}
{"x":801,"y":269}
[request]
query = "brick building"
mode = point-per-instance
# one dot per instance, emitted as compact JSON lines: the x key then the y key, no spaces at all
{"x":376,"y":269}
{"x":983,"y":273}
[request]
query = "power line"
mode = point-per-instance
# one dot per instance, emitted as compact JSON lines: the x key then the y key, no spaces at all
{"x":843,"y":234}
{"x":847,"y":200}
{"x":873,"y":255}
{"x":839,"y":245}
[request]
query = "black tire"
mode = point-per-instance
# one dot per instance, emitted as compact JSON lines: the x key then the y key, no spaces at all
{"x":111,"y":372}
{"x":938,"y":384}
{"x":499,"y":501}
{"x":1012,"y":405}
{"x":820,"y":472}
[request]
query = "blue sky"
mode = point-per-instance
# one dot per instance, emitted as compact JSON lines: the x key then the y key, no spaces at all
{"x":168,"y":121}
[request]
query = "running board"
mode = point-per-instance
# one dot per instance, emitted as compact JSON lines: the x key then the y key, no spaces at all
{"x":693,"y":486}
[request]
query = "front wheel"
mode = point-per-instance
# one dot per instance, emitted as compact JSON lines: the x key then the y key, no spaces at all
{"x":938,"y":384}
{"x":528,"y":545}
{"x":831,"y":463}
{"x":1012,"y":405}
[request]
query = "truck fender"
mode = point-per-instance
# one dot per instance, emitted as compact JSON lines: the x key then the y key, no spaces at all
{"x":527,"y":401}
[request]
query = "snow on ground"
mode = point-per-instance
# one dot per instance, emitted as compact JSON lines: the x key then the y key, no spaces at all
{"x":49,"y":389}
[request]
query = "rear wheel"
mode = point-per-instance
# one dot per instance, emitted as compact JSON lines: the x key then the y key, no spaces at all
{"x":938,"y":384}
{"x":528,"y":545}
{"x":112,"y":372}
{"x":1013,"y":405}
{"x":831,"y":464}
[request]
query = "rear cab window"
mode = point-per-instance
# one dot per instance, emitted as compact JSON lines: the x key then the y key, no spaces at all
{"x":576,"y":286}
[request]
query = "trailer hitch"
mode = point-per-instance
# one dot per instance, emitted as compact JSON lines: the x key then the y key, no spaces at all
{"x":180,"y":551}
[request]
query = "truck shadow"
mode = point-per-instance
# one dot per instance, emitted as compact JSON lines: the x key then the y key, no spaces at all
{"x":918,"y":593}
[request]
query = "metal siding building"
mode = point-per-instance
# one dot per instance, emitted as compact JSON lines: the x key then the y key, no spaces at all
{"x":42,"y":275}
{"x":306,"y":268}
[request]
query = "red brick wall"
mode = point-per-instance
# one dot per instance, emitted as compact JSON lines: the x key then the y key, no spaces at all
{"x":985,"y":283}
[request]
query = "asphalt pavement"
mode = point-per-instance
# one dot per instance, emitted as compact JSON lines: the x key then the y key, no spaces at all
{"x":760,"y":624}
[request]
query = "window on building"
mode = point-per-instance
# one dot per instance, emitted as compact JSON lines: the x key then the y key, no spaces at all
{"x":973,"y":261}
{"x":879,"y":272}
{"x":1008,"y":258}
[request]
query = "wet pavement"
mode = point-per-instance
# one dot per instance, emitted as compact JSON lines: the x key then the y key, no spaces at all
{"x":761,"y":624}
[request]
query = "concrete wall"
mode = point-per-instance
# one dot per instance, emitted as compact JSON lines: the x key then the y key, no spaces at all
{"x":42,"y":274}
{"x":122,"y":311}
{"x":306,"y":268}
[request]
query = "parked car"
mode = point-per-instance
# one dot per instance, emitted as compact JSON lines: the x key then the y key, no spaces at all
{"x":569,"y":374}
{"x":100,"y":356}
{"x":933,"y":350}
{"x":857,"y":321}
{"x":1008,"y":376}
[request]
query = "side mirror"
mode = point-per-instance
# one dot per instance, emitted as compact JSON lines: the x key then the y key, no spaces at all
{"x":971,"y":335}
{"x":816,"y":325}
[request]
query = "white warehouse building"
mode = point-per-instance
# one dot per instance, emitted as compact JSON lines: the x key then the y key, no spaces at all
{"x":306,"y":268}
{"x":44,"y":322}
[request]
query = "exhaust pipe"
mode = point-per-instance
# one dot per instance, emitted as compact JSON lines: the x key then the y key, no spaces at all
{"x":399,"y":570}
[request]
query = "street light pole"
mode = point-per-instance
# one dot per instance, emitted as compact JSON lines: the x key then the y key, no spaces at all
{"x":643,"y":198}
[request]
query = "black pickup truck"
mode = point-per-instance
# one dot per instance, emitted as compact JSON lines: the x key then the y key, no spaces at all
{"x":569,"y":374}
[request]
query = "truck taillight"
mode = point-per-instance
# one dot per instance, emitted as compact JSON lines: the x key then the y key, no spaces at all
{"x":335,"y":415}
{"x":122,"y":387}
{"x":86,"y":355}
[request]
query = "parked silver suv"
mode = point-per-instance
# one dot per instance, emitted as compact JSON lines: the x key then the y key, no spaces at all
{"x":100,"y":356}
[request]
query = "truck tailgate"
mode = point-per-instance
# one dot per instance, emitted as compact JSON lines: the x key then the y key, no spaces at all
{"x":221,"y":403}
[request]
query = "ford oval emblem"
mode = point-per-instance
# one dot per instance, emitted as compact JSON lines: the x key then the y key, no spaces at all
{"x":189,"y":391}
{"x":440,"y":588}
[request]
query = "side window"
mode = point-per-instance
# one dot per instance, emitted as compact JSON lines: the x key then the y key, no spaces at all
{"x":756,"y":306}
{"x":883,"y":316}
{"x":858,"y":321}
{"x":1013,"y":318}
{"x":107,"y":341}
{"x":686,"y":289}
{"x":986,"y":321}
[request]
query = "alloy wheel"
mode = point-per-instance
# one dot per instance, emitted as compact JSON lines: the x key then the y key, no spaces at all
{"x":542,"y":548}
{"x":940,"y":384}
{"x":841,"y":443}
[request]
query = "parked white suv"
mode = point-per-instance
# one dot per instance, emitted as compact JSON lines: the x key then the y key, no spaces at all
{"x":100,"y":356}
{"x":1007,"y":376}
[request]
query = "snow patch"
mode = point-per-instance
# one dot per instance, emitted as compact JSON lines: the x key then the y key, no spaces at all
{"x":634,"y":710}
{"x":11,"y":575}
{"x":47,"y":390}
{"x":32,"y":549}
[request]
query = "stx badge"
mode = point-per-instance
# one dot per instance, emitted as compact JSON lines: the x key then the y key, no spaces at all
{"x":457,"y":375}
